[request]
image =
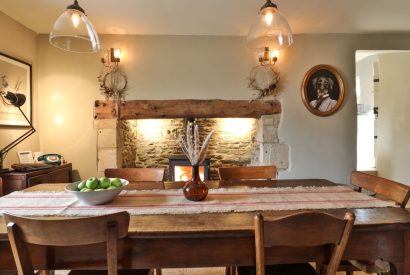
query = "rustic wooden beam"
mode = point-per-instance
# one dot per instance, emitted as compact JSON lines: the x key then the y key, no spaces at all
{"x":140,"y":109}
{"x":105,"y":109}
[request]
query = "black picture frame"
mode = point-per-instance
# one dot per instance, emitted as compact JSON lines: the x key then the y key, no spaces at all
{"x":323,"y":90}
{"x":16,"y":77}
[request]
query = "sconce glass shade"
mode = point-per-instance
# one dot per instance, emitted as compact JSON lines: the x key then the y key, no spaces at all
{"x":270,"y":29}
{"x":74,"y":32}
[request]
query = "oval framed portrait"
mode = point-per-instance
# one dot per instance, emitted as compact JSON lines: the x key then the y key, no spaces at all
{"x":323,"y":90}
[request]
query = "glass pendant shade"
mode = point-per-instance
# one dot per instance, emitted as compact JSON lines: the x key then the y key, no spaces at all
{"x":74,"y":32}
{"x":270,"y":29}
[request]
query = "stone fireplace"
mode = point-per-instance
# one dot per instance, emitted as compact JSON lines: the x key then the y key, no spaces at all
{"x":146,"y":135}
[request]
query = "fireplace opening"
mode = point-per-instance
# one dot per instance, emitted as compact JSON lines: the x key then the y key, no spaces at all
{"x":180,"y":169}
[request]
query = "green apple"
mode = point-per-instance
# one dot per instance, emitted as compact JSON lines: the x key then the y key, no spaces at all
{"x":99,"y":189}
{"x":85,"y":189}
{"x":92,"y":183}
{"x":111,"y":187}
{"x":104,"y":182}
{"x":116,"y":182}
{"x":81,"y":185}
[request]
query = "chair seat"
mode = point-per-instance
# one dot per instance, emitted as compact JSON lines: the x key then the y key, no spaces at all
{"x":280,"y":269}
{"x":104,"y":272}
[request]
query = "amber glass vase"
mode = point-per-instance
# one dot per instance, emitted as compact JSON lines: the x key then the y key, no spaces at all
{"x":195,"y":189}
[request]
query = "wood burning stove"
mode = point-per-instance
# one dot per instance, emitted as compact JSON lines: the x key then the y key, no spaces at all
{"x":180,"y":169}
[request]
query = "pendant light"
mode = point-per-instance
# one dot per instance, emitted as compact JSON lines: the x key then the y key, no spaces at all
{"x":270,"y":30}
{"x":73,"y":31}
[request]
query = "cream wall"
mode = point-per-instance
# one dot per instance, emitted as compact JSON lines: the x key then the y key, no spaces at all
{"x":393,"y":97}
{"x":19,"y":42}
{"x":176,"y":67}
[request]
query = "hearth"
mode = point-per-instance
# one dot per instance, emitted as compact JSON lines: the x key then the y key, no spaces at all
{"x":180,"y":169}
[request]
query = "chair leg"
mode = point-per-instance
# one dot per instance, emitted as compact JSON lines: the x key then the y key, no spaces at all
{"x":349,"y":272}
{"x":230,"y":270}
{"x":158,"y":271}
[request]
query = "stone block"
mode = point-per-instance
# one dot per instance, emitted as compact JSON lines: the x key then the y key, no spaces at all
{"x":266,"y":133}
{"x":276,"y":153}
{"x":268,"y":120}
{"x":107,"y":158}
{"x":105,"y":123}
{"x":276,"y":120}
{"x":106,"y":138}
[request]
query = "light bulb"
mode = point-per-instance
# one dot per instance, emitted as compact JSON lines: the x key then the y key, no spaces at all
{"x":117,"y":53}
{"x":75,"y":18}
{"x":268,"y":18}
{"x":274,"y":54}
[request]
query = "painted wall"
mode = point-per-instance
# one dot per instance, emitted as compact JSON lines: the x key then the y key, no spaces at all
{"x":19,"y":42}
{"x":393,"y":97}
{"x":177,"y":67}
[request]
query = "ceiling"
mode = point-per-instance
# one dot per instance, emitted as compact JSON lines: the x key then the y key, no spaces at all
{"x":217,"y":17}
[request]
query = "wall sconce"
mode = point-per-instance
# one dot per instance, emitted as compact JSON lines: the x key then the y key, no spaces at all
{"x":111,"y":58}
{"x":268,"y":57}
{"x":112,"y":82}
{"x":17,"y":100}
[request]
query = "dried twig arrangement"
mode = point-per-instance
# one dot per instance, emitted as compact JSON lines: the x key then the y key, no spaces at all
{"x":190,"y":145}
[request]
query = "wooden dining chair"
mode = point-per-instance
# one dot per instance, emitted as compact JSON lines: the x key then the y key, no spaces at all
{"x":65,"y":232}
{"x":135,"y":175}
{"x":248,"y":172}
{"x":1,"y":187}
{"x":240,"y":174}
{"x":385,"y":189}
{"x":388,"y":189}
{"x":305,"y":229}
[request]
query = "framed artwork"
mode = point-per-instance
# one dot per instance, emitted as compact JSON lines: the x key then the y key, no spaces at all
{"x":15,"y":77}
{"x":323,"y":90}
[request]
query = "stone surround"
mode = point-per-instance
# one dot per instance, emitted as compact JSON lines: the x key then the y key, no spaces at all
{"x":122,"y":143}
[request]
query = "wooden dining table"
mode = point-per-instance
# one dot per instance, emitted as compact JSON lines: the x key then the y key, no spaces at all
{"x":221,"y":239}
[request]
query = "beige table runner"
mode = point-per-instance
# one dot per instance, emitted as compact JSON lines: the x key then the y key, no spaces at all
{"x":148,"y":202}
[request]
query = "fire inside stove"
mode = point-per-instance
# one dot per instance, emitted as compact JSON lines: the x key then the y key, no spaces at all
{"x":184,"y":173}
{"x":180,"y":169}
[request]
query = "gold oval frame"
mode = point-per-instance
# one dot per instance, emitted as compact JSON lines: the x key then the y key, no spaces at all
{"x":307,"y":80}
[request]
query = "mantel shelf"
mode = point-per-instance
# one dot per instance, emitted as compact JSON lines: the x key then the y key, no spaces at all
{"x":216,"y":108}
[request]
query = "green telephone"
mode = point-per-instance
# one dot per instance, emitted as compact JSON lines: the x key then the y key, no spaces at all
{"x":50,"y":158}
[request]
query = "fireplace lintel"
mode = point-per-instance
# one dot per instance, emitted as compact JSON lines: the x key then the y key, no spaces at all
{"x":214,"y":108}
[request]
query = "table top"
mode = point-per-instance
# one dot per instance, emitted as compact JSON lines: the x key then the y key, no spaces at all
{"x":238,"y":224}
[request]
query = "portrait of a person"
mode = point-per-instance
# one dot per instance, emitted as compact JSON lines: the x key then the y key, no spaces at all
{"x":323,"y":86}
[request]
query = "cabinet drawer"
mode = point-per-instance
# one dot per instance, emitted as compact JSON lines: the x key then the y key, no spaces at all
{"x":38,"y":179}
{"x":59,"y":176}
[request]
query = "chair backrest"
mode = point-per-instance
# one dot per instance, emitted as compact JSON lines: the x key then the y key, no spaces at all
{"x":1,"y":187}
{"x":136,"y":174}
{"x":247,"y":172}
{"x":303,"y":230}
{"x":392,"y":190}
{"x":65,"y":232}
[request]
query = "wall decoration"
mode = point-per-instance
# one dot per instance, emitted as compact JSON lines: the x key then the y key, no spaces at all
{"x":15,"y":77}
{"x":323,"y":90}
{"x":264,"y":79}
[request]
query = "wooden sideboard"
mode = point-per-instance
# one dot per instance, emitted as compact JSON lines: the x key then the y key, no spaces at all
{"x":14,"y":181}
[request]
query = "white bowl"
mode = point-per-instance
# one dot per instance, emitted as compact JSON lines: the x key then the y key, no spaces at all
{"x":95,"y":197}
